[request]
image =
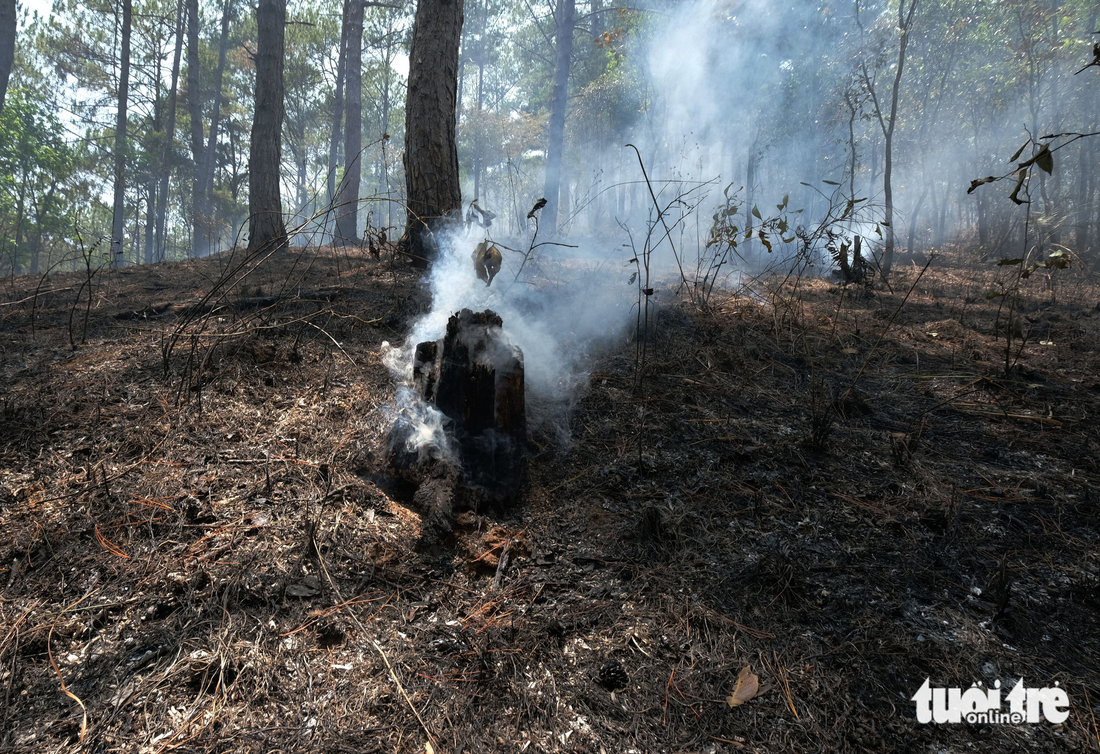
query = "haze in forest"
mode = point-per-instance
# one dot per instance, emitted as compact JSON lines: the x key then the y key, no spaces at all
{"x":732,"y":105}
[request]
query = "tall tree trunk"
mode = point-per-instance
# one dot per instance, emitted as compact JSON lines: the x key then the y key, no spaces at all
{"x":169,"y":140}
{"x":1055,"y":108}
{"x":347,"y":201}
{"x":118,"y":226}
{"x":383,"y":168}
{"x":150,"y":218}
{"x":431,"y":154}
{"x":20,"y":212}
{"x":7,"y":45}
{"x":750,"y":194}
{"x":563,"y":42}
{"x":913,"y":220}
{"x":215,"y":119}
{"x":905,"y":24}
{"x":135,"y":242}
{"x":303,"y":194}
{"x":337,"y":111}
{"x":478,"y":125}
{"x":266,"y":231}
{"x":194,"y":101}
{"x":1087,"y":234}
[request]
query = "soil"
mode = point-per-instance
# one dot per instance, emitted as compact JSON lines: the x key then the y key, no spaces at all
{"x":843,"y":490}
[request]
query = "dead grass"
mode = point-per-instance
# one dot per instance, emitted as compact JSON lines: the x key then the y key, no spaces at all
{"x":846,"y":493}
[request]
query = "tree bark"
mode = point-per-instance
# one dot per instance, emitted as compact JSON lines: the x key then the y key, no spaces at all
{"x":169,"y":140}
{"x":1087,"y":236}
{"x":559,"y":100}
{"x":478,"y":125}
{"x":431,"y":154}
{"x":266,"y":231}
{"x":7,"y":45}
{"x":117,"y":227}
{"x":905,"y":24}
{"x":347,"y":201}
{"x":337,"y":110}
{"x":387,"y":82}
{"x":194,"y":102}
{"x":150,"y":218}
{"x":913,"y":220}
{"x":215,"y":120}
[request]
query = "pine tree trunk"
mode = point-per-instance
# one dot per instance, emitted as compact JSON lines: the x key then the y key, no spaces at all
{"x":913,"y":221}
{"x":7,"y":45}
{"x":559,"y":100}
{"x":150,"y":218}
{"x":194,"y":102}
{"x":215,"y":119}
{"x":905,"y":24}
{"x":169,"y":141}
{"x":477,"y":129}
{"x":431,"y":154}
{"x":1087,"y":234}
{"x":383,"y":178}
{"x":337,"y":112}
{"x":347,"y":201}
{"x":118,"y":225}
{"x":266,"y":231}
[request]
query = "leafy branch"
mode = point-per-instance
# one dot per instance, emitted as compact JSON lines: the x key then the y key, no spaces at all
{"x":1044,"y":148}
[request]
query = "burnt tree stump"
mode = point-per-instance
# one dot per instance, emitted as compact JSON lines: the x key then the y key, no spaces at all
{"x":474,"y":377}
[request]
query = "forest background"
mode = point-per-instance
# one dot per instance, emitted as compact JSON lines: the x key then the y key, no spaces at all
{"x":896,"y":107}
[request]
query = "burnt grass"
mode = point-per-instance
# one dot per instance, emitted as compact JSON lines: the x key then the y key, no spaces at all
{"x":843,"y":490}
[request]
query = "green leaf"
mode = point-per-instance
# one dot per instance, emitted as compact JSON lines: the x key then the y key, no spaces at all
{"x":756,"y":213}
{"x":1057,"y":259}
{"x":831,"y":183}
{"x":993,"y":294}
{"x":1009,"y":262}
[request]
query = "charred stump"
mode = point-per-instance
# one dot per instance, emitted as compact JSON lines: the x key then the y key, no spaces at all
{"x":474,"y":378}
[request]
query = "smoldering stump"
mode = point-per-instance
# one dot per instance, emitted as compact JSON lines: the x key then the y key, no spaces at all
{"x":474,"y":378}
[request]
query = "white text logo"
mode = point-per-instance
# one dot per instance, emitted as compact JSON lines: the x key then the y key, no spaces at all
{"x":981,"y":705}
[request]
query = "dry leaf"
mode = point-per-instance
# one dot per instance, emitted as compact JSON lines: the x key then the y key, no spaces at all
{"x":745,"y":688}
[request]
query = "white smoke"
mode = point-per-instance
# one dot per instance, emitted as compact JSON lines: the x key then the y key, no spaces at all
{"x":559,"y":309}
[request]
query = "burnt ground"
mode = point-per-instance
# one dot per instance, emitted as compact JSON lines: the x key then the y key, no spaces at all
{"x":844,"y":491}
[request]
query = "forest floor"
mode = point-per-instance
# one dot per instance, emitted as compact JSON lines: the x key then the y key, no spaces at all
{"x":841,"y":490}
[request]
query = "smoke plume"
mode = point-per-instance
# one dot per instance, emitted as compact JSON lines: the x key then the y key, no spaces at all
{"x":559,"y":308}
